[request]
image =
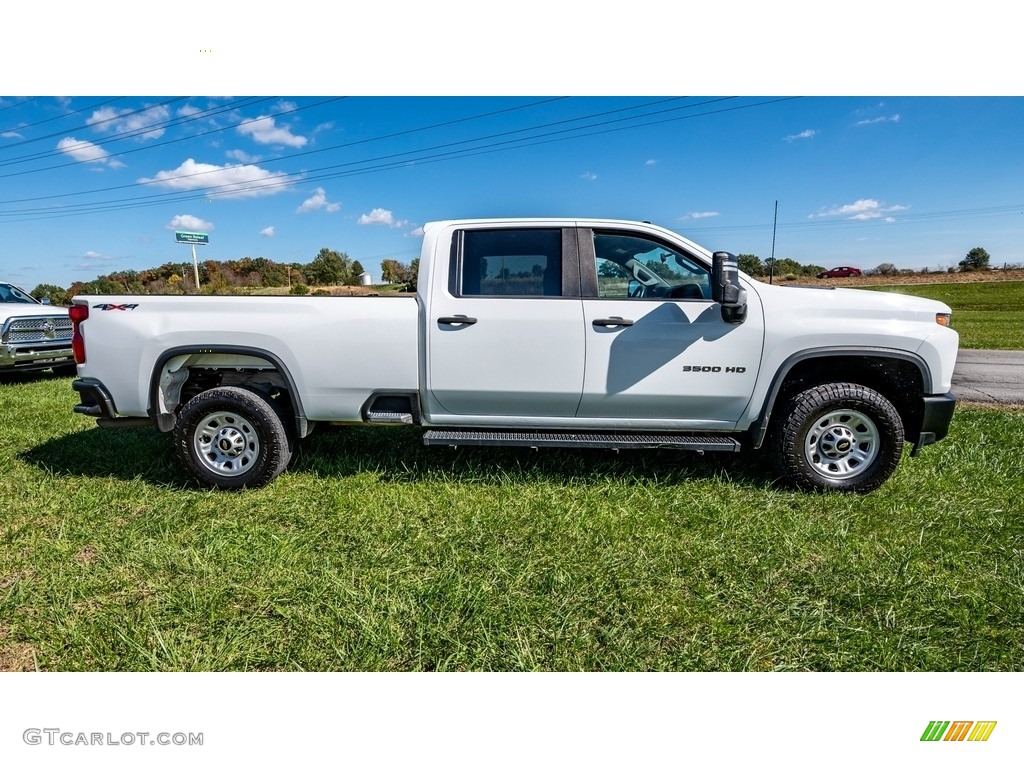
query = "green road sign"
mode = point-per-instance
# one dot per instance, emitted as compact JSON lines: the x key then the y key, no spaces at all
{"x":195,"y":238}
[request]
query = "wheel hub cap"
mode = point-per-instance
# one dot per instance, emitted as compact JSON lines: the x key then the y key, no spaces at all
{"x":842,"y":444}
{"x":226,"y":443}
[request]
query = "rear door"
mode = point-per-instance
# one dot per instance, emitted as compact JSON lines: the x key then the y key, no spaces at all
{"x":506,"y":339}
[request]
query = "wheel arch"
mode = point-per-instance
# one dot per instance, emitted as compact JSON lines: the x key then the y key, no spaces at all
{"x":162,"y":391}
{"x":901,"y":377}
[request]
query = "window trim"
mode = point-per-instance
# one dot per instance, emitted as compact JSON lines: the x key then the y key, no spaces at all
{"x":572,"y":284}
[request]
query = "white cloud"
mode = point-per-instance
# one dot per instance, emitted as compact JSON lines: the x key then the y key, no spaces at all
{"x":873,"y":121}
{"x":263,"y":130}
{"x":418,"y":232}
{"x":187,"y":111}
{"x":242,"y":156}
{"x":92,"y":260}
{"x":807,"y":134}
{"x":87,"y":152}
{"x":233,"y":180}
{"x":189,"y":223}
{"x":381,"y":217}
{"x":700,"y":215}
{"x":267,"y":232}
{"x":11,"y":135}
{"x":651,"y":162}
{"x":865,"y":209}
{"x":317,"y":202}
{"x":110,"y":120}
{"x":589,"y":176}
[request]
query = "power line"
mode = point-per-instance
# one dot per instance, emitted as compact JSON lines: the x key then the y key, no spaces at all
{"x":287,"y":179}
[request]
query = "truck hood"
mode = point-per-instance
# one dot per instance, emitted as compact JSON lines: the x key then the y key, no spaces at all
{"x":30,"y":310}
{"x":849,"y":302}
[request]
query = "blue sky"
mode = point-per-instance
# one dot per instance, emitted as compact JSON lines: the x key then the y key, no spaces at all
{"x":93,"y":184}
{"x":337,"y":150}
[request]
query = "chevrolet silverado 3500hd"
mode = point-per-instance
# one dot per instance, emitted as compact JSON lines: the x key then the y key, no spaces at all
{"x":534,"y":332}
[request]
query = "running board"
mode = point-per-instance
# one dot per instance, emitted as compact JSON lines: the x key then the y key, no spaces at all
{"x":608,"y":440}
{"x":389,"y":417}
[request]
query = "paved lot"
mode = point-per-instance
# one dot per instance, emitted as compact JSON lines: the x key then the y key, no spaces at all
{"x":989,"y":376}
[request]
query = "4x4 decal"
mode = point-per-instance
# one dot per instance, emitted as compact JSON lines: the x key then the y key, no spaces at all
{"x":122,"y":307}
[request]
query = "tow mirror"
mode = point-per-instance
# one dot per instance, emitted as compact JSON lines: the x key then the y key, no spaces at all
{"x":726,"y":288}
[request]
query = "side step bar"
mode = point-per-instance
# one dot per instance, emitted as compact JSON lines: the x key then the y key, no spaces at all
{"x":614,"y":441}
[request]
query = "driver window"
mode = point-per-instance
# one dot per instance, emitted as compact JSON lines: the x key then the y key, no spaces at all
{"x":637,"y":268}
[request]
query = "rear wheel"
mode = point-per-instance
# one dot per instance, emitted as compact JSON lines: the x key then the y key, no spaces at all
{"x":231,"y":438}
{"x":844,"y":437}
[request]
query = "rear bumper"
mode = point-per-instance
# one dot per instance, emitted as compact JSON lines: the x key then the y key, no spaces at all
{"x":935,"y":419}
{"x":95,"y":400}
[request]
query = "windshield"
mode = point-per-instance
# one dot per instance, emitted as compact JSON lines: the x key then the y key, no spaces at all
{"x":10,"y":294}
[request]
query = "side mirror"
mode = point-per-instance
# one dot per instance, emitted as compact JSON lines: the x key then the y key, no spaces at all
{"x":44,"y":300}
{"x":726,"y":288}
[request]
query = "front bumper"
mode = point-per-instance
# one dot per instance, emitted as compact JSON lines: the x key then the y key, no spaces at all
{"x":34,"y":357}
{"x":935,"y":419}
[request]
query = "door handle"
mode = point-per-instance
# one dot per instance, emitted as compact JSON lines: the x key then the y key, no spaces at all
{"x":612,"y":322}
{"x":458,"y":320}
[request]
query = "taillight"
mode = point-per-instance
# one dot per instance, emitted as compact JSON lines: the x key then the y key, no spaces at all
{"x":78,"y":313}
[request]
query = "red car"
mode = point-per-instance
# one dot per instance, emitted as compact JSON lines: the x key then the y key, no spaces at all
{"x":840,"y":272}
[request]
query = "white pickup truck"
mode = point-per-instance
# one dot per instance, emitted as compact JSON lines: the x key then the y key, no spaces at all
{"x":534,"y":332}
{"x":33,"y":334}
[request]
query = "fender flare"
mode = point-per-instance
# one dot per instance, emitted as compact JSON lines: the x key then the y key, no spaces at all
{"x":165,"y":421}
{"x":759,"y":428}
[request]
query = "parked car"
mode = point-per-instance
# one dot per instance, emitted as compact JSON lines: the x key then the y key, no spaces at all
{"x":840,"y":272}
{"x":33,"y":335}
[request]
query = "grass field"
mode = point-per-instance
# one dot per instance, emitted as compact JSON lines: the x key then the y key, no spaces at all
{"x":375,"y":553}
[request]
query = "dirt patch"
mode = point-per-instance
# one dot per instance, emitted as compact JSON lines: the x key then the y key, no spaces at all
{"x":15,"y":657}
{"x":918,"y":278}
{"x":86,"y":555}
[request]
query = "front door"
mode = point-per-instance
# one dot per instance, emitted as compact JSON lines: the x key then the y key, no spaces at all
{"x":657,"y":347}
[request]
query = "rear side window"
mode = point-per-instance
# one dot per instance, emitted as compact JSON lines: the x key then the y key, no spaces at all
{"x":511,"y":262}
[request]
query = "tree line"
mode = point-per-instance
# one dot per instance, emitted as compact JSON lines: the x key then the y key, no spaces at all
{"x":328,"y":267}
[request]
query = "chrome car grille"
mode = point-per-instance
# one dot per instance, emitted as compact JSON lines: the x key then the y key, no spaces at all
{"x":38,"y":330}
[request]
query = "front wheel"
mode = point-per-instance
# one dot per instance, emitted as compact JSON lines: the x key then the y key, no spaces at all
{"x":231,"y":438}
{"x":843,"y":437}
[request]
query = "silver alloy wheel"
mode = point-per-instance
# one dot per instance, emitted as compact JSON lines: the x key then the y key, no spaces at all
{"x":226,"y":443}
{"x":841,"y":444}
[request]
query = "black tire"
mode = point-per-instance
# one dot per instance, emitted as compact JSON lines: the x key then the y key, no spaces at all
{"x":842,"y":437}
{"x":231,"y":438}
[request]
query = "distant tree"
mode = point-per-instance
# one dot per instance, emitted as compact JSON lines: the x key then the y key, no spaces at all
{"x":393,"y":271}
{"x":976,"y":258}
{"x":354,"y":273}
{"x":414,"y":274}
{"x":54,"y":293}
{"x":327,"y":268}
{"x":751,"y":264}
{"x":886,"y":269}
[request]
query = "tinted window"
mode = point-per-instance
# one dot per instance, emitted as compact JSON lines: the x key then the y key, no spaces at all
{"x":512,"y":262}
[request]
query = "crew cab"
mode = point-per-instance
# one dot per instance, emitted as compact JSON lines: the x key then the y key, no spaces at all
{"x":534,"y":332}
{"x":33,"y":335}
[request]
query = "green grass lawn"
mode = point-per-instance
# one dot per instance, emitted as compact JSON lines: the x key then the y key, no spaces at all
{"x":986,"y":315}
{"x":375,"y":553}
